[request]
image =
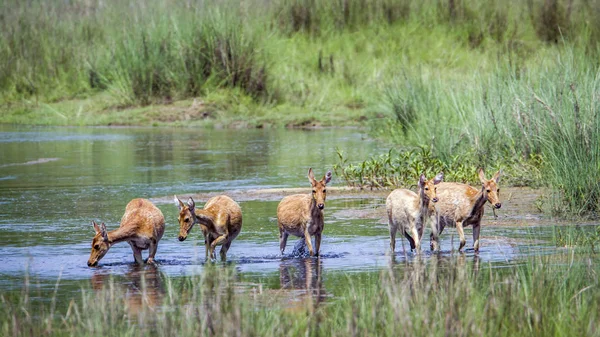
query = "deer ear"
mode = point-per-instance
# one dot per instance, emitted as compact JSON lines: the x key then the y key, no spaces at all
{"x":178,"y":202}
{"x":327,"y":177}
{"x":311,"y":175}
{"x":482,"y":176}
{"x":96,"y":227}
{"x":191,"y":204}
{"x":422,"y":180}
{"x":439,"y":178}
{"x":103,"y":231}
{"x":497,"y":176}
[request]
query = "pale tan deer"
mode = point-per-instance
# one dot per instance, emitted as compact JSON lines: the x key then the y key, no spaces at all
{"x":461,"y":205}
{"x":302,"y":214}
{"x":142,"y":226}
{"x":220,"y":221}
{"x":408,"y":211}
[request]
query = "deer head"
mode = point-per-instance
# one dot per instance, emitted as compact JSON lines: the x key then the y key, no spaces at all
{"x":187,"y":217}
{"x":100,"y":244}
{"x":319,"y":191}
{"x":427,"y":188}
{"x":490,"y":188}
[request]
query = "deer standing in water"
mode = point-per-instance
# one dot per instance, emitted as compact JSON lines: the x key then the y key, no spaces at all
{"x":220,"y":221}
{"x":302,"y":214}
{"x":461,"y":205}
{"x":142,"y":226}
{"x":408,"y":211}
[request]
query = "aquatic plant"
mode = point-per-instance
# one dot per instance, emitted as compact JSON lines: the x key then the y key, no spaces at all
{"x":577,"y":237}
{"x":402,"y":169}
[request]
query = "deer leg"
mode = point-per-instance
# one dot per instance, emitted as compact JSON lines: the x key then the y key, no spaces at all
{"x":476,"y":229}
{"x":434,"y":236}
{"x":461,"y":234}
{"x":283,"y":236}
{"x":308,"y":240}
{"x":152,"y":251}
{"x":317,"y":243}
{"x":224,"y":250}
{"x":216,"y":242}
{"x":417,"y":238}
{"x":208,"y":240}
{"x":393,"y":231}
{"x":137,"y":253}
{"x":410,"y":240}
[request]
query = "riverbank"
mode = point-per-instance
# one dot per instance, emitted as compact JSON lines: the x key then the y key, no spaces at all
{"x":218,"y":111}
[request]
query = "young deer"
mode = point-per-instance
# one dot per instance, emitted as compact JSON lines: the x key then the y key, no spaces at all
{"x":302,"y":214}
{"x":220,"y":221}
{"x":461,"y":205}
{"x":142,"y":226}
{"x":407,"y":211}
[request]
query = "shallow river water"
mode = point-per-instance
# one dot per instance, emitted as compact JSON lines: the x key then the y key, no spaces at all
{"x":54,"y":181}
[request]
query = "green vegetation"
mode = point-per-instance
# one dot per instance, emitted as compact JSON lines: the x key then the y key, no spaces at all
{"x":443,"y":295}
{"x":476,"y":83}
{"x":578,"y":236}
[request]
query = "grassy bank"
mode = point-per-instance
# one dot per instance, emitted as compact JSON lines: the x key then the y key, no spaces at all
{"x":441,"y":295}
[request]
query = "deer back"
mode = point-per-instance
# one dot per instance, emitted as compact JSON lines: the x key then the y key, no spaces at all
{"x":226,"y":214}
{"x":456,"y":200}
{"x":143,"y":218}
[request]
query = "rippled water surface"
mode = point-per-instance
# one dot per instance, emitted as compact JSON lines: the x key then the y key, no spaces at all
{"x":54,"y":181}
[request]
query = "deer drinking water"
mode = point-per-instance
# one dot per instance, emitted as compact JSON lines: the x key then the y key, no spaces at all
{"x":302,"y":214}
{"x":142,"y":226}
{"x":461,"y":205}
{"x":407,"y":211}
{"x":220,"y":221}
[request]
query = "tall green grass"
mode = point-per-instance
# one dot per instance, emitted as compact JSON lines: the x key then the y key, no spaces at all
{"x":469,"y":80}
{"x":441,"y":295}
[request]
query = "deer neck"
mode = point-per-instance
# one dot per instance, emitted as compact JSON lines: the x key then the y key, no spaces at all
{"x":314,"y":210}
{"x":424,"y":207}
{"x":478,"y":201}
{"x":203,"y":217}
{"x":123,"y":233}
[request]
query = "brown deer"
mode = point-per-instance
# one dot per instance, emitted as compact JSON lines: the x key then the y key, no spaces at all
{"x":220,"y":221}
{"x":461,"y":205}
{"x":302,"y":214}
{"x":142,"y":226}
{"x":408,"y":211}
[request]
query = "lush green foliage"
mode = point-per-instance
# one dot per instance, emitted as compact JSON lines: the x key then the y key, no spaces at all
{"x":441,"y":295}
{"x":477,"y":83}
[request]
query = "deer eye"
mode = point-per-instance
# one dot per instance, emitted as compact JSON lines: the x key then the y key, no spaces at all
{"x":314,"y":191}
{"x":96,"y":247}
{"x":324,"y":191}
{"x":426,"y":188}
{"x":498,"y":190}
{"x":488,"y":190}
{"x":186,"y":220}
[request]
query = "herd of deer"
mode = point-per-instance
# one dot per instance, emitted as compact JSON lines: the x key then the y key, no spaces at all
{"x":439,"y":203}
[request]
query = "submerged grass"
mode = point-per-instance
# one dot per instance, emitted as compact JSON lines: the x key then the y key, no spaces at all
{"x":441,"y":295}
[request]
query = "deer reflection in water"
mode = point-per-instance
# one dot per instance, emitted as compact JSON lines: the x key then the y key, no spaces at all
{"x":141,"y":287}
{"x":426,"y":276}
{"x":302,"y":277}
